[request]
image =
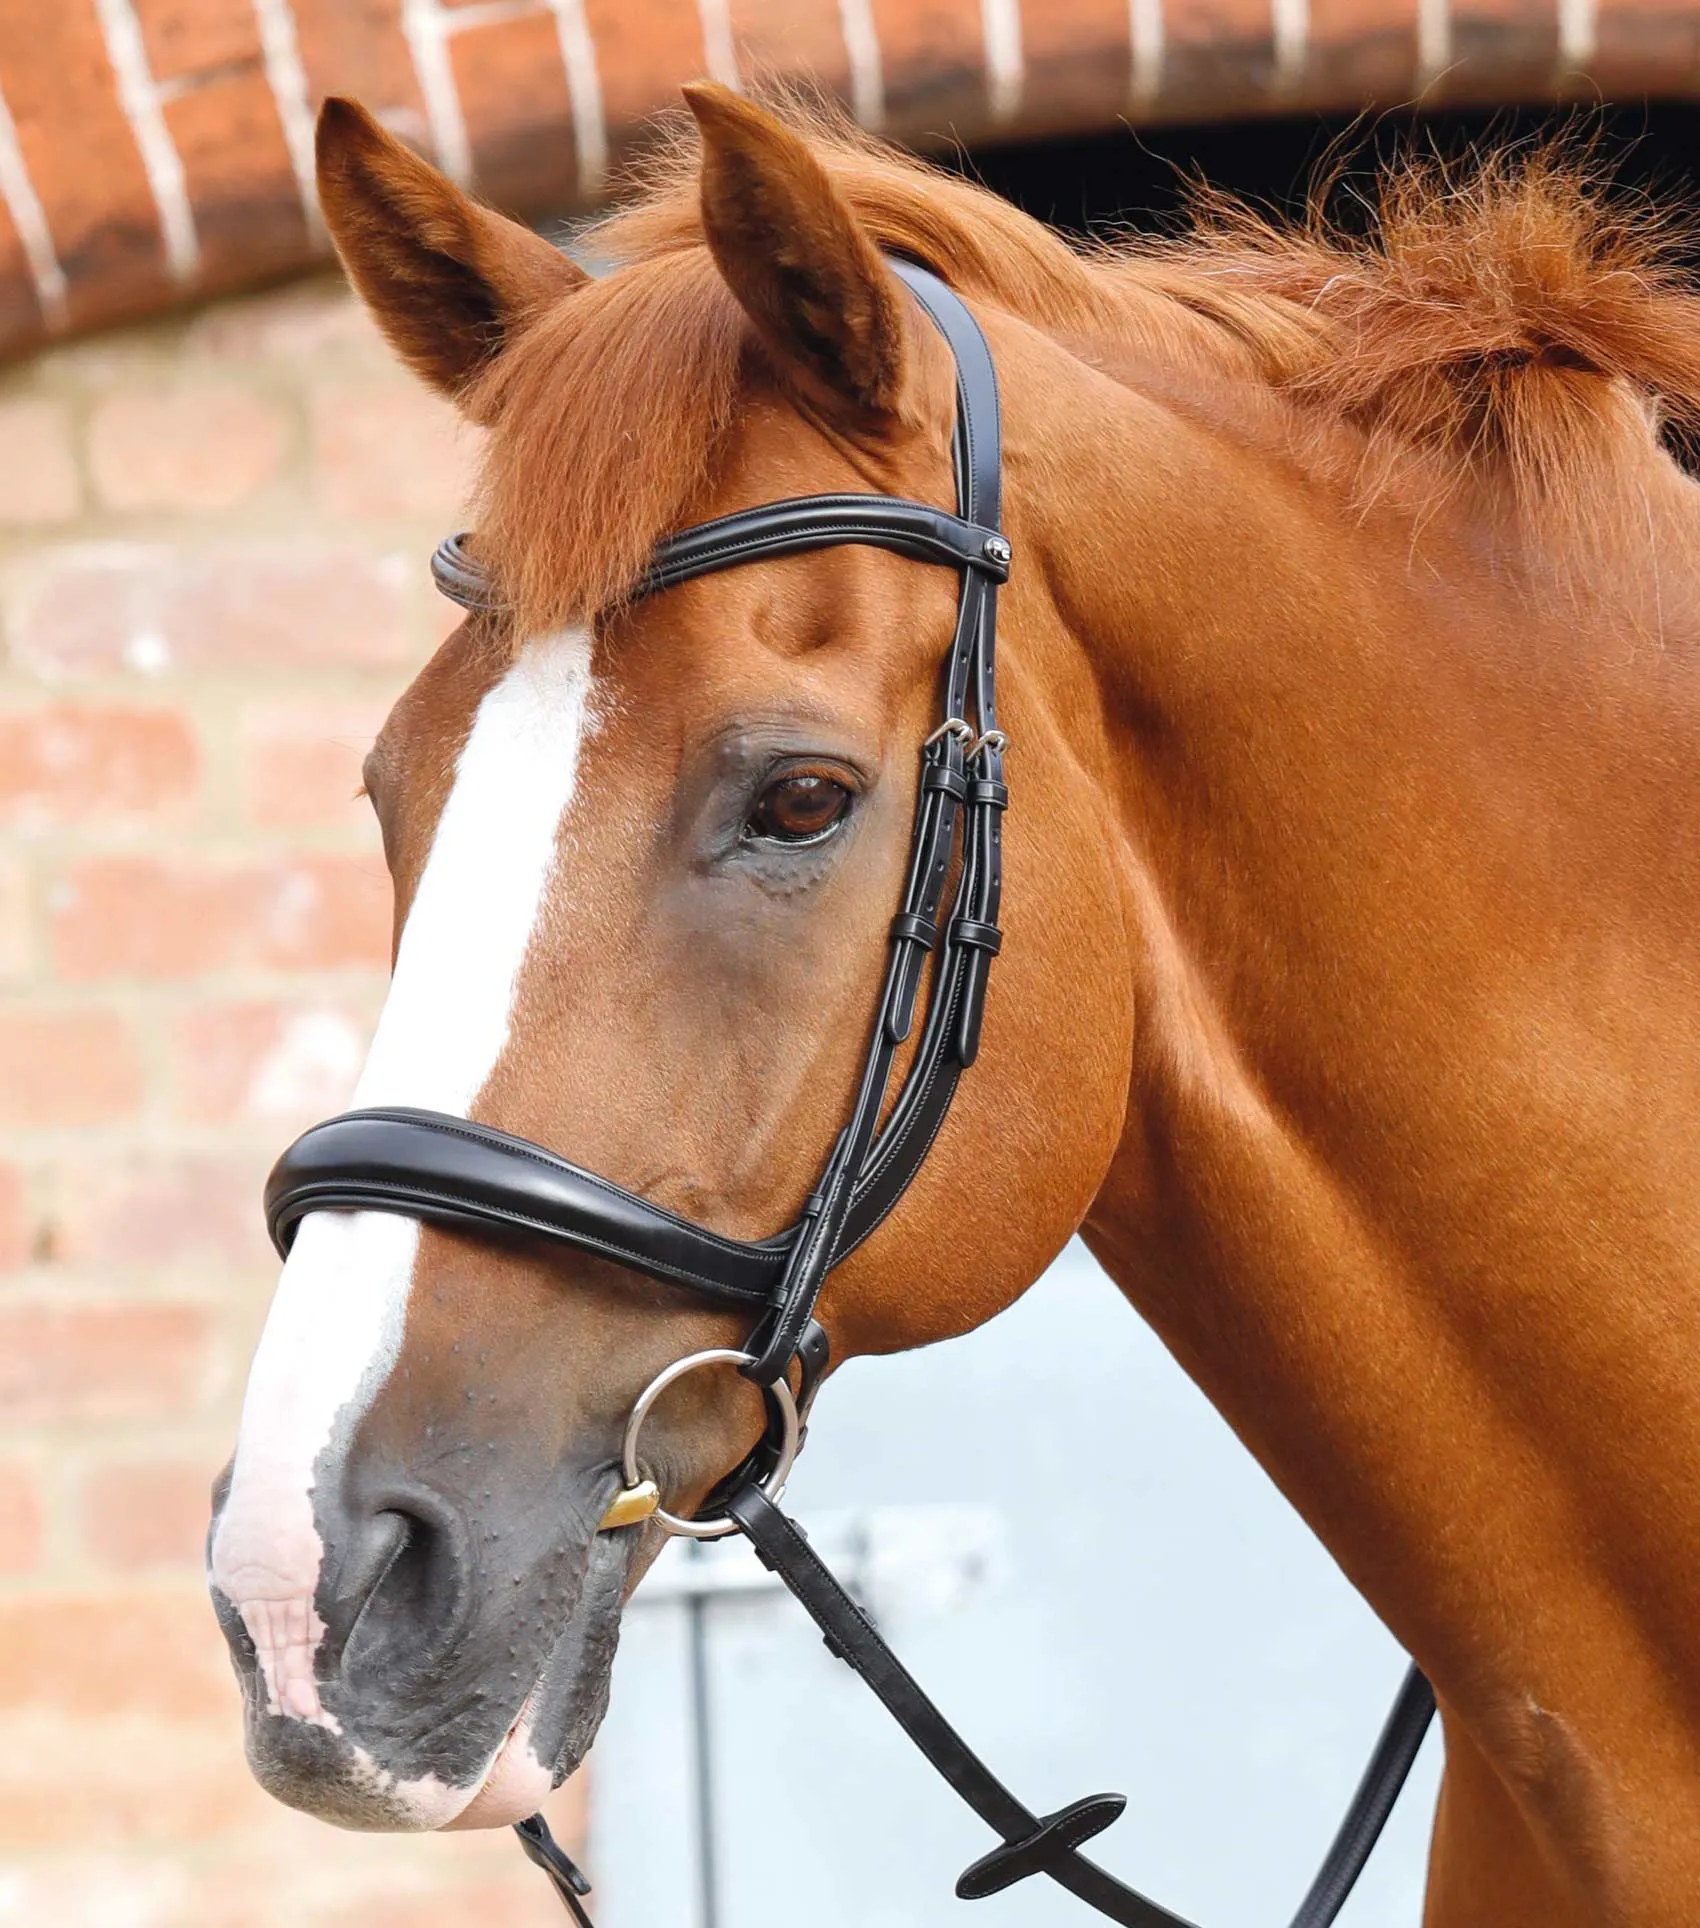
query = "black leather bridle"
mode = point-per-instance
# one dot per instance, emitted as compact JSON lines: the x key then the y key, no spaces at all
{"x":449,"y":1171}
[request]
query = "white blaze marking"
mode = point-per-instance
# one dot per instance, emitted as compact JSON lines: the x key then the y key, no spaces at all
{"x":512,"y":1783}
{"x":335,"y":1327}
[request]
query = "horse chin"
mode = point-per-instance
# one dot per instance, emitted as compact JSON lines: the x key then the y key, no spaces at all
{"x":560,"y":1719}
{"x":321,"y":1766}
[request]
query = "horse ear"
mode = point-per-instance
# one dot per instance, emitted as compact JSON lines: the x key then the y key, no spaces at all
{"x":801,"y":264}
{"x":449,"y":282}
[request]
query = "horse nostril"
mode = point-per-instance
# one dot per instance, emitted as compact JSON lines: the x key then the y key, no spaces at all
{"x":413,"y":1572}
{"x":401,"y":1592}
{"x":374,"y":1547}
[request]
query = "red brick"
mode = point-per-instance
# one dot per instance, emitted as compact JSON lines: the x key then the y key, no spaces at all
{"x":147,"y":1515}
{"x":643,"y":57}
{"x":269,"y":1063}
{"x":153,"y":1651}
{"x":191,"y":39}
{"x":1639,"y":46}
{"x":82,"y":157}
{"x":519,"y":115}
{"x":193,"y":448}
{"x":17,"y":919}
{"x":172,"y":917}
{"x":120,"y":1360}
{"x":20,"y":1520}
{"x":301,"y":761}
{"x":14,"y":1224}
{"x":1500,"y":50}
{"x":39,"y":483}
{"x":241,"y":182}
{"x":306,"y":322}
{"x":1078,"y":59}
{"x":67,"y":1068}
{"x":273,"y":1868}
{"x":55,"y":1771}
{"x":163,"y":1209}
{"x":93,"y":609}
{"x":391,"y":449}
{"x":22,"y":322}
{"x":932,"y":53}
{"x":1218,"y":51}
{"x":357,"y":47}
{"x":796,"y":37}
{"x":85,"y":762}
{"x":1362,"y":50}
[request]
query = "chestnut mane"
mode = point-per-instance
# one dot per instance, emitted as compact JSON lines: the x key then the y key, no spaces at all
{"x":1504,"y":325}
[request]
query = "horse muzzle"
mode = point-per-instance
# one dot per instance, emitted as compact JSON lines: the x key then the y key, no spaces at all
{"x":445,"y":1667}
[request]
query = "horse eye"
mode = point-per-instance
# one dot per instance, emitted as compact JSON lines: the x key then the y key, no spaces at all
{"x":798,"y":809}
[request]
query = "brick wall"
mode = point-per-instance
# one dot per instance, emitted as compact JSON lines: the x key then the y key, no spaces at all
{"x":213,"y":536}
{"x":152,"y":149}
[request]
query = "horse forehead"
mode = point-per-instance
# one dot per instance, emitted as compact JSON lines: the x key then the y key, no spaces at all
{"x":847,"y":630}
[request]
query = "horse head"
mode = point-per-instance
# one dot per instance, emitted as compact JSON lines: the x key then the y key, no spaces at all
{"x":646,"y":850}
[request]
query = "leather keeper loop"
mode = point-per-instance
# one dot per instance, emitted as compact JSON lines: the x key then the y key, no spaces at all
{"x":987,"y":790}
{"x":981,"y":937}
{"x":916,"y":929}
{"x":940,"y":776}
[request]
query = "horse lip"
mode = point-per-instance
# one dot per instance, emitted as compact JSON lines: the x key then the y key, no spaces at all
{"x":564,"y":1705}
{"x":572,"y":1687}
{"x":514,"y":1726}
{"x":570,"y":1695}
{"x":467,"y":1817}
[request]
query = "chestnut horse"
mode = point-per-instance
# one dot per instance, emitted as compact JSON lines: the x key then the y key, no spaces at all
{"x":1349,"y":1003}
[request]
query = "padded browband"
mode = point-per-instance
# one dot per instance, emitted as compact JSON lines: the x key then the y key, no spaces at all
{"x":790,"y":528}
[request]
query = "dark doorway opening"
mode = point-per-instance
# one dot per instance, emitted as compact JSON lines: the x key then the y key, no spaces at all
{"x":1138,"y":176}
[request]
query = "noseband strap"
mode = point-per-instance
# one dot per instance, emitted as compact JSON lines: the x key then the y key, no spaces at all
{"x":472,"y":1178}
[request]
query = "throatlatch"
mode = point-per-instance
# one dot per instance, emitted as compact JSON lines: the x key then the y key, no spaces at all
{"x":475,"y":1179}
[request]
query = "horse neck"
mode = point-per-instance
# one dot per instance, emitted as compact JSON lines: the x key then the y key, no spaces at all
{"x":1408,"y":963}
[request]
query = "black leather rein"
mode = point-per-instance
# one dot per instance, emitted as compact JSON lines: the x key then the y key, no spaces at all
{"x":475,"y":1179}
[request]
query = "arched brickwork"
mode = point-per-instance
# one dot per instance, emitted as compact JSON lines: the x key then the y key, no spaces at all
{"x":152,"y":150}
